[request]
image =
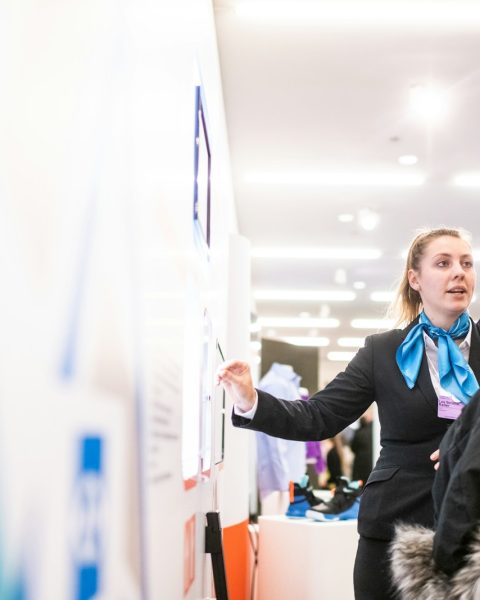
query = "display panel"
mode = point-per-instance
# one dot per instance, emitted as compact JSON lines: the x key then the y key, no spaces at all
{"x":219,"y":414}
{"x":202,"y":170}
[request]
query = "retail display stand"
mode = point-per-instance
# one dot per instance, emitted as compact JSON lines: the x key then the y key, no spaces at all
{"x":301,"y":558}
{"x":214,"y":547}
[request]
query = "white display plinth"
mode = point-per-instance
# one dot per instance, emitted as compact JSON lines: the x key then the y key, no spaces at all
{"x":300,"y":558}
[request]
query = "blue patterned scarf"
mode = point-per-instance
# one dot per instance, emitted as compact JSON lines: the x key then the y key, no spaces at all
{"x":455,"y":374}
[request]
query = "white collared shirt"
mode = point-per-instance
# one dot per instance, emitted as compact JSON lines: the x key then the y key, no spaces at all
{"x":431,"y":351}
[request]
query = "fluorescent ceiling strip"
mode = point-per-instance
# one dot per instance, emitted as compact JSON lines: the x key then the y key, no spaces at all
{"x":340,"y":356}
{"x":467,"y":180}
{"x":372,"y":323}
{"x":337,"y":179}
{"x":351,"y":342}
{"x":298,"y":322}
{"x":358,"y":14}
{"x":317,"y":253}
{"x":386,"y":296}
{"x":314,"y":342}
{"x":320,"y":295}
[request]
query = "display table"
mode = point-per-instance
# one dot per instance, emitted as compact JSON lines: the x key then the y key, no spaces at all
{"x":300,"y":558}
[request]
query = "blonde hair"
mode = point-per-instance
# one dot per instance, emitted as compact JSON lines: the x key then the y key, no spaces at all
{"x":407,"y":303}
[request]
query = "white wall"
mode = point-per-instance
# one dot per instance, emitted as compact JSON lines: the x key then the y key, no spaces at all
{"x":98,"y":253}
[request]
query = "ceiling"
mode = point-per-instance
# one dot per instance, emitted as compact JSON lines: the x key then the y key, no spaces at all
{"x":315,"y":95}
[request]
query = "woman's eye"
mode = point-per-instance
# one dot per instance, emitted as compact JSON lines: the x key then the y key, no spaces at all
{"x":442,"y":263}
{"x":468,"y":264}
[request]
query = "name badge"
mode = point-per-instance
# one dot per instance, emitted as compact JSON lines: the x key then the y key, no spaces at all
{"x":449,"y":408}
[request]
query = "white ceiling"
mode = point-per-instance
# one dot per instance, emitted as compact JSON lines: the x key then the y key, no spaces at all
{"x":305,"y":95}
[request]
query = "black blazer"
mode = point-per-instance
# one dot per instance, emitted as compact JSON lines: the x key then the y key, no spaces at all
{"x":399,"y":487}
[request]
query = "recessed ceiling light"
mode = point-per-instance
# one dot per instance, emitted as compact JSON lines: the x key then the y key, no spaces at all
{"x":372,"y":323}
{"x":337,"y":179}
{"x":297,"y":322}
{"x":324,"y":311}
{"x":317,"y":253}
{"x":368,"y":219}
{"x":408,"y":159}
{"x":351,"y":342}
{"x":345,"y":217}
{"x":340,"y":277}
{"x":314,"y":295}
{"x":428,"y":102}
{"x":359,"y":285}
{"x":314,"y":342}
{"x":340,"y":356}
{"x":386,"y":296}
{"x":467,"y":180}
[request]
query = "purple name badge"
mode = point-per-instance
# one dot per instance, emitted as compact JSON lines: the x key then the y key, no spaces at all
{"x":448,"y":408}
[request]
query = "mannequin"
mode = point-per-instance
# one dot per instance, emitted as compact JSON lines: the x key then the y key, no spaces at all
{"x":279,"y":461}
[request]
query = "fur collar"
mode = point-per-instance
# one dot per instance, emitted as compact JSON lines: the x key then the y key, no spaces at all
{"x":415,"y":576}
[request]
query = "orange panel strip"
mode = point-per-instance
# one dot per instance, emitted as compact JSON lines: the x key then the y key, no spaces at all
{"x":237,"y":562}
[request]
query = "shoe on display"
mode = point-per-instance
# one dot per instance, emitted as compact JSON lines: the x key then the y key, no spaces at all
{"x":301,"y":498}
{"x":343,"y":506}
{"x":317,"y":514}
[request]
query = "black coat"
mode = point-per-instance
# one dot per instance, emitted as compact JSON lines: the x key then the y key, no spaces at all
{"x":399,"y":487}
{"x":456,"y":491}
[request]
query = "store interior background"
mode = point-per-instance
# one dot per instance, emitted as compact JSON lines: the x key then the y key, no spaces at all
{"x":113,"y":305}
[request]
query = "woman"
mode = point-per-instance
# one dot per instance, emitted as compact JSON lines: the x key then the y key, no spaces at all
{"x":417,"y":376}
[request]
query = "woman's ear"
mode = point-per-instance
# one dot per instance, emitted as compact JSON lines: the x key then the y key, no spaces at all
{"x":413,"y":280}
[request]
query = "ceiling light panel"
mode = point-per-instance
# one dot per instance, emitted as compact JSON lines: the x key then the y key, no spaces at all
{"x":317,"y":253}
{"x":467,"y":180}
{"x":314,"y":342}
{"x":408,"y":159}
{"x":315,"y":295}
{"x":298,"y":322}
{"x":386,"y":296}
{"x":338,"y":179}
{"x":340,"y":356}
{"x":372,"y":323}
{"x":351,"y":342}
{"x":441,"y":15}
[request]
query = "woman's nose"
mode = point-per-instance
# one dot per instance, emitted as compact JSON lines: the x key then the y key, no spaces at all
{"x":458,"y":269}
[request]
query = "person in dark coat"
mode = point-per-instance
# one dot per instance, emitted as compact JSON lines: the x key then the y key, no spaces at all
{"x":418,"y":376}
{"x":362,"y":448}
{"x":444,"y":563}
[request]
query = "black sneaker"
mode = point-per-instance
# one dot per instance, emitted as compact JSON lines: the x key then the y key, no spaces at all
{"x":301,"y":498}
{"x":343,"y":505}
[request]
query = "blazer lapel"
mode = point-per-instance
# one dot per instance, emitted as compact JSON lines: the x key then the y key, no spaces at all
{"x":424,"y":381}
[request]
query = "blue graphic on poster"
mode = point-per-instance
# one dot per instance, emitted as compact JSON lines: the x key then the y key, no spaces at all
{"x":88,"y":542}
